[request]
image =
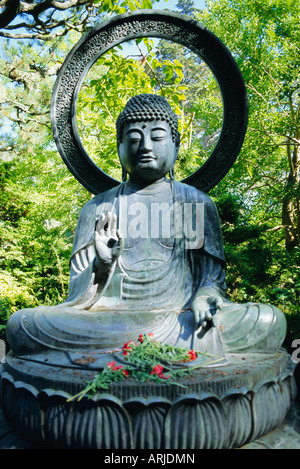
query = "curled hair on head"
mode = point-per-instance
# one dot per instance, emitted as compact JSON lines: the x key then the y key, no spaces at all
{"x":147,"y":108}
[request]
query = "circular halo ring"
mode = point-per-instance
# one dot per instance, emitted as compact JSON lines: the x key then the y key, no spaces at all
{"x":165,"y":25}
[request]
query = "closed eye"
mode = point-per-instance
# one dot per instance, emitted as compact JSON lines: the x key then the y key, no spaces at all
{"x":158,"y":138}
{"x":134,"y":135}
{"x":158,"y":134}
{"x":134,"y":140}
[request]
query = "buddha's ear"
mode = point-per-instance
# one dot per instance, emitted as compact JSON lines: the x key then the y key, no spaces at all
{"x":177,"y":144}
{"x":118,"y":148}
{"x":124,"y":174}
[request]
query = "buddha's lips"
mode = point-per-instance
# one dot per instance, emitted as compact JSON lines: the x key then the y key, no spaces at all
{"x":144,"y":158}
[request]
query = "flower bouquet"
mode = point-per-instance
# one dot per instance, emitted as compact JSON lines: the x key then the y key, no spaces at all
{"x":146,"y":360}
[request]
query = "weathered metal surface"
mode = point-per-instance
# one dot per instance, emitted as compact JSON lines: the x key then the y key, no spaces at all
{"x":221,"y":407}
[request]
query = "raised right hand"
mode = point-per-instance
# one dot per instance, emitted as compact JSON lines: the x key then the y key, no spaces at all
{"x":109,"y":242}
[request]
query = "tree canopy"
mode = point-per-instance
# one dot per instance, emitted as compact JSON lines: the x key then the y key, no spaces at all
{"x":47,"y":19}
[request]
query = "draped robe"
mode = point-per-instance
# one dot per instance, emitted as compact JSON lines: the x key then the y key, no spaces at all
{"x":150,"y":287}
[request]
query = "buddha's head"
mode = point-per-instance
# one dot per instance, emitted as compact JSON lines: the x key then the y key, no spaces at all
{"x":147,"y":138}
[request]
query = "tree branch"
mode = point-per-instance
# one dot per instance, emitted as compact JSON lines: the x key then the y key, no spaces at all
{"x":35,"y":9}
{"x":40,"y":29}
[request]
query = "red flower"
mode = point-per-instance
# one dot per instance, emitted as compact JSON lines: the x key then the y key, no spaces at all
{"x":118,"y":367}
{"x":192,"y":355}
{"x":115,"y":367}
{"x":111,"y":365}
{"x":157,"y":370}
{"x":128,"y":347}
{"x":142,"y":336}
{"x":163,"y":376}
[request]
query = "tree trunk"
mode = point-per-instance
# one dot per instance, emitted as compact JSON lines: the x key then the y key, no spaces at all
{"x":291,"y":202}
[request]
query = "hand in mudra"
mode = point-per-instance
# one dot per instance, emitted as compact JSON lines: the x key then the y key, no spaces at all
{"x":109,"y":242}
{"x":205,"y":308}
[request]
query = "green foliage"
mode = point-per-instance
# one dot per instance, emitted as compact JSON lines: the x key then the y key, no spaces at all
{"x":261,"y":37}
{"x":259,"y":198}
{"x":39,"y":200}
{"x":259,"y":268}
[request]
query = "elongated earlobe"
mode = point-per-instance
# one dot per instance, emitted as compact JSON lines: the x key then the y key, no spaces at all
{"x":172,"y":174}
{"x":124,"y":174}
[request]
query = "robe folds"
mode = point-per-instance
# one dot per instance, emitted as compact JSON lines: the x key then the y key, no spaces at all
{"x":149,"y":288}
{"x":170,"y":283}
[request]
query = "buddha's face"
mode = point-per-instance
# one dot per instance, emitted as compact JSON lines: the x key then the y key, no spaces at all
{"x":147,"y":150}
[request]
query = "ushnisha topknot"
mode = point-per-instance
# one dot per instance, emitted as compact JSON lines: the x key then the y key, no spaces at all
{"x":147,"y":107}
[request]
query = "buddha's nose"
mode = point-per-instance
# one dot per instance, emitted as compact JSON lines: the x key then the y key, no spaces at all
{"x":146,"y":144}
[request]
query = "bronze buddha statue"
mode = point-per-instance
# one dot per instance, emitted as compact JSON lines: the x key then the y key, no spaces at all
{"x":147,"y":257}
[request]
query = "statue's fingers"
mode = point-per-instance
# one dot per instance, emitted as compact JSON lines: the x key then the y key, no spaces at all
{"x":203,"y":318}
{"x":218,"y":302}
{"x":97,"y":242}
{"x":97,"y":237}
{"x":208,"y":315}
{"x":97,"y":226}
{"x":197,"y":318}
{"x":101,"y":224}
{"x":113,"y":229}
{"x":121,"y":240}
{"x":108,"y":228}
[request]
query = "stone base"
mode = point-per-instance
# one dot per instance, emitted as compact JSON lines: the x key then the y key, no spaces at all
{"x":219,"y":407}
